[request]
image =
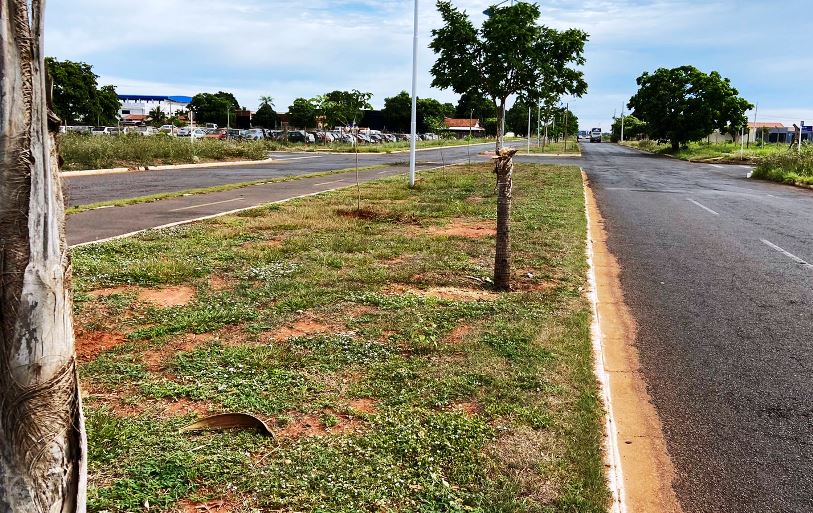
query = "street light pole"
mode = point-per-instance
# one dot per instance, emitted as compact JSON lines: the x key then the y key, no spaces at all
{"x":414,"y":120}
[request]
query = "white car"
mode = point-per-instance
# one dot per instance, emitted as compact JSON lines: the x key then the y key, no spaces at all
{"x":104,"y":130}
{"x":199,"y":133}
{"x":168,"y":129}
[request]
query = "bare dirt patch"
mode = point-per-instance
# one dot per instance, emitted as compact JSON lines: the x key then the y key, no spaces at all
{"x":227,"y":504}
{"x":184,"y":407}
{"x":475,"y":199}
{"x":468,"y":408}
{"x":218,"y":283}
{"x":459,"y":333}
{"x":306,"y":426}
{"x":301,"y":328}
{"x":90,"y":343}
{"x":465,"y":229}
{"x":364,"y":405}
{"x":372,"y":214}
{"x":167,"y":297}
{"x":448,"y":293}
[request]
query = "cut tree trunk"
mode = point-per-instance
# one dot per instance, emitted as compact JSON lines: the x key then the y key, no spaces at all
{"x":503,"y":167}
{"x":43,"y":448}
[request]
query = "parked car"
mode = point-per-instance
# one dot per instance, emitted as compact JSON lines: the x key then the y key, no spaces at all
{"x":254,"y":134}
{"x":219,"y":134}
{"x":234,"y":133}
{"x":198,"y":133}
{"x":167,"y":129}
{"x":301,"y":136}
{"x":143,"y":130}
{"x":363,"y":138}
{"x":104,"y":130}
{"x":184,"y":131}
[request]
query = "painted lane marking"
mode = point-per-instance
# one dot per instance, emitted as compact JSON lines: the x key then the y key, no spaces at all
{"x":787,"y":254}
{"x":327,"y":183}
{"x":206,"y":204}
{"x":707,"y":209}
{"x":718,"y":166}
{"x":301,"y":158}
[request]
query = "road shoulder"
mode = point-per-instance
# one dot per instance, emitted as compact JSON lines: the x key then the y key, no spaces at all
{"x":646,"y":473}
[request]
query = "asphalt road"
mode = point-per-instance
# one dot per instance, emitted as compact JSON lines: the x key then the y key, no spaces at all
{"x":84,"y":190}
{"x":718,"y":273}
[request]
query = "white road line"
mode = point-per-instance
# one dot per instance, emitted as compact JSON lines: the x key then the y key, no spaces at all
{"x":327,"y":183}
{"x":787,"y":254}
{"x":707,"y":209}
{"x":718,"y":166}
{"x":301,"y":158}
{"x":382,"y":172}
{"x":206,"y":204}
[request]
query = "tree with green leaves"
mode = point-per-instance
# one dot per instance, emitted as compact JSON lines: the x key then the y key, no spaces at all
{"x":397,"y":112}
{"x":684,"y":104}
{"x":77,"y":97}
{"x":430,"y":114}
{"x":634,"y":128}
{"x":157,"y":117}
{"x":510,"y":54}
{"x":43,"y":447}
{"x":343,"y":108}
{"x":266,"y":116}
{"x":302,"y":113}
{"x":474,"y":105}
{"x":216,"y":108}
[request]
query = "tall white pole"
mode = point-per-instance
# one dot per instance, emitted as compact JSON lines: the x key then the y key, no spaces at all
{"x":414,"y":122}
{"x":529,"y":130}
{"x":622,"y":123}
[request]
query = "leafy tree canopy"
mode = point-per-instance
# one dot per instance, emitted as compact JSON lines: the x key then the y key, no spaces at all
{"x":508,"y":55}
{"x":77,"y":97}
{"x":429,"y":113}
{"x":343,"y":107}
{"x":474,"y":104}
{"x":265,"y":117}
{"x":684,"y":104}
{"x":302,"y":113}
{"x":634,"y":128}
{"x":214,"y":108}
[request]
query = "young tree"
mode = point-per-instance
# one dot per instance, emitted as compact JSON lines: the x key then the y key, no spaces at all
{"x":344,"y":107}
{"x":509,"y":55}
{"x":634,"y":128}
{"x":684,"y":104}
{"x":430,"y":114}
{"x":43,"y":449}
{"x":157,"y":117}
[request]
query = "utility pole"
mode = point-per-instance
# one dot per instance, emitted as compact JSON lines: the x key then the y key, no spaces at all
{"x":567,"y":109}
{"x":468,"y":146}
{"x":414,"y":120}
{"x":622,"y":123}
{"x":529,"y":130}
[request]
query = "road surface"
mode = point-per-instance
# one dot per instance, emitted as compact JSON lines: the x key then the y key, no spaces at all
{"x":84,"y":190}
{"x":718,"y":273}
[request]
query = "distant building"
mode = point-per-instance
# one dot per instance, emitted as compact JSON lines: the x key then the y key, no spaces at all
{"x":135,"y":108}
{"x":461,"y":128}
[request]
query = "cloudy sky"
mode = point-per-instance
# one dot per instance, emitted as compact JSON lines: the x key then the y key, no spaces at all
{"x":300,"y":49}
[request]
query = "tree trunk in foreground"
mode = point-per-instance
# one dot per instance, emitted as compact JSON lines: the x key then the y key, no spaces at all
{"x":42,"y":440}
{"x":503,"y":167}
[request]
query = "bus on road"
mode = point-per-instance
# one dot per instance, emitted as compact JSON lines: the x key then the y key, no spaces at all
{"x":595,"y":135}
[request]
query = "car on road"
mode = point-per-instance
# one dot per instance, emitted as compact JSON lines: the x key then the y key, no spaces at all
{"x":584,"y":135}
{"x":595,"y":135}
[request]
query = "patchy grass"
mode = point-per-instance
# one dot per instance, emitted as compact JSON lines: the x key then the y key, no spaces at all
{"x":553,"y":147}
{"x":75,"y":209}
{"x":714,"y":152}
{"x":81,"y":151}
{"x":790,"y":167}
{"x":394,"y":380}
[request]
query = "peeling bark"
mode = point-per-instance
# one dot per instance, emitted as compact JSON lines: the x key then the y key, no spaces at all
{"x":43,"y":449}
{"x":503,"y":167}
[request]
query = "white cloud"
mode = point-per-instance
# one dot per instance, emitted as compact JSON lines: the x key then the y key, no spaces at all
{"x":293,"y":49}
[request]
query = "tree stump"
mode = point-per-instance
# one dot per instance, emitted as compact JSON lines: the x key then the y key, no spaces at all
{"x":503,"y":168}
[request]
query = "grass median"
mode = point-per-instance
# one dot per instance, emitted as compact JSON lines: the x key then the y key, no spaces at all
{"x":724,"y":153}
{"x":392,"y":378}
{"x":81,"y":152}
{"x":791,"y":167}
